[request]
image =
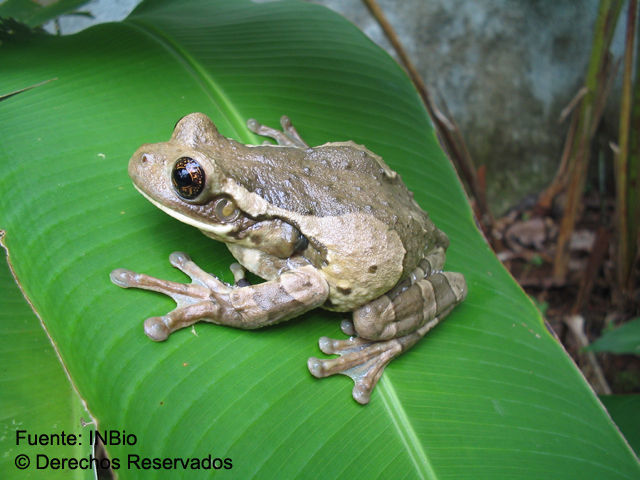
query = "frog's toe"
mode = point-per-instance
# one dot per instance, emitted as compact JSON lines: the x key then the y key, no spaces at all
{"x":332,"y":346}
{"x":156,"y":329}
{"x":361,"y":394}
{"x":316,"y":367}
{"x":239,"y":273}
{"x":321,"y":368}
{"x":122,"y":277}
{"x":348,"y":327}
{"x":253,"y":125}
{"x":179,"y":259}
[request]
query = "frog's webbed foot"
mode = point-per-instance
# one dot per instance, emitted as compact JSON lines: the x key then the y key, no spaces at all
{"x":193,"y":300}
{"x":288,"y":137}
{"x":361,"y":359}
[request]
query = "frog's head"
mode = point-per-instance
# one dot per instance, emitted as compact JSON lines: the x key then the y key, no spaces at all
{"x":181,"y":178}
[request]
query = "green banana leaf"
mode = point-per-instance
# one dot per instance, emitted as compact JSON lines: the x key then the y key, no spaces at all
{"x":35,"y":395}
{"x":488,"y":394}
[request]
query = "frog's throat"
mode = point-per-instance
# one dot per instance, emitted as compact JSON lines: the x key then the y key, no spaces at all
{"x":217,"y":229}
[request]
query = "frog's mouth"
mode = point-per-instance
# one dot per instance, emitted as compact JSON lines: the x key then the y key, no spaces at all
{"x":219,"y":229}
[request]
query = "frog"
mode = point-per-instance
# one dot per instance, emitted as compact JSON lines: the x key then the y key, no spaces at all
{"x":330,"y":226}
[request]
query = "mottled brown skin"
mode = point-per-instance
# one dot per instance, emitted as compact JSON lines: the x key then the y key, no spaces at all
{"x":328,"y":226}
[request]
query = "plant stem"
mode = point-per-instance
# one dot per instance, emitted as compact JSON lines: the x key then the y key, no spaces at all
{"x":588,"y":118}
{"x":626,"y":164}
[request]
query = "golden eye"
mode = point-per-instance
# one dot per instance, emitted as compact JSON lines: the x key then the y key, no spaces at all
{"x":226,"y":210}
{"x":188,"y":178}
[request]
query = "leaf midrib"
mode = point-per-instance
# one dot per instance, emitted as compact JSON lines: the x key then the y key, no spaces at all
{"x":210,"y":87}
{"x":404,"y":427}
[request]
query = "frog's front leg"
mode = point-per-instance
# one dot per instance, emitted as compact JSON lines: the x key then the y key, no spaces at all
{"x":208,"y":299}
{"x":390,"y":325}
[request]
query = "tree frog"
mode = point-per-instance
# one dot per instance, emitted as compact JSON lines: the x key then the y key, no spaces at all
{"x":330,"y":226}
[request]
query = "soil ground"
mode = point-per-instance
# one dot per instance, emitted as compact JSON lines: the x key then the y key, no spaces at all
{"x":526,"y":244}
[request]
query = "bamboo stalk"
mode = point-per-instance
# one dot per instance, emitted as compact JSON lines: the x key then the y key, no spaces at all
{"x":633,"y":176}
{"x":589,"y":113}
{"x":626,"y":177}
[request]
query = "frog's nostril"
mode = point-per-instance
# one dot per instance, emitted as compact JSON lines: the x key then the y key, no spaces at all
{"x":145,"y":158}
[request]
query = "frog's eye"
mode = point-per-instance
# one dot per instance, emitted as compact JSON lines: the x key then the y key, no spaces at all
{"x":188,"y":178}
{"x":225,"y":210}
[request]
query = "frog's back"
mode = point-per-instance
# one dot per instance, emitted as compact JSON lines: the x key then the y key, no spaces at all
{"x":334,"y":180}
{"x":329,"y":180}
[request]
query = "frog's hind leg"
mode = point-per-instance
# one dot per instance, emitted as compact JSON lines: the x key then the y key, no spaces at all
{"x":427,"y":293}
{"x":390,"y":325}
{"x":288,"y":137}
